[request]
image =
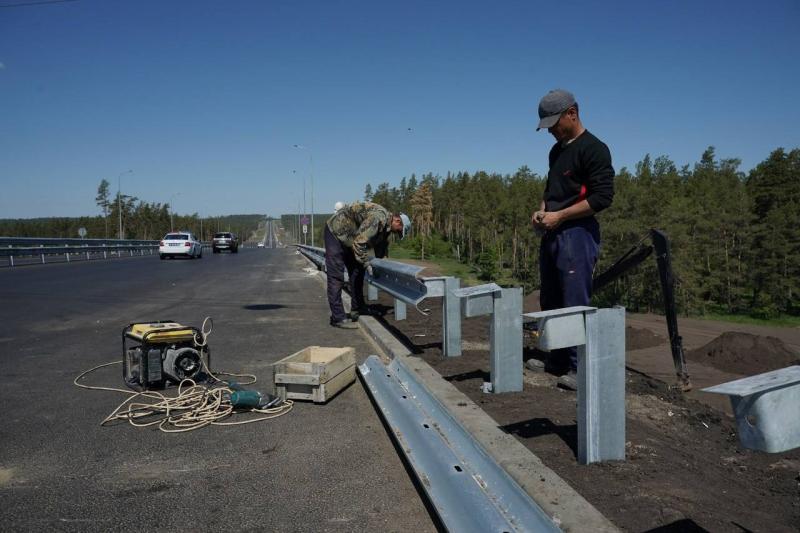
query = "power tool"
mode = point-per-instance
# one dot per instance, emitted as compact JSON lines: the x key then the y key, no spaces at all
{"x":167,"y":352}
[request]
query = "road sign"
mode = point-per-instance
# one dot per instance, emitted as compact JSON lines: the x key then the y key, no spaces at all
{"x":304,"y":221}
{"x":305,"y":228}
{"x":82,"y":232}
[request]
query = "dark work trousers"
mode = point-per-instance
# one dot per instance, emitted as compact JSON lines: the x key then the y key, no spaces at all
{"x":567,"y":258}
{"x":338,"y":260}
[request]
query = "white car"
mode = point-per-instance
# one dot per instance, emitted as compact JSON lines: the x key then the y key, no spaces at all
{"x":180,"y":243}
{"x":261,"y":244}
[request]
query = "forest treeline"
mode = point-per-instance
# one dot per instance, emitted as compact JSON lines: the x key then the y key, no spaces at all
{"x":139,"y":220}
{"x":735,"y":236}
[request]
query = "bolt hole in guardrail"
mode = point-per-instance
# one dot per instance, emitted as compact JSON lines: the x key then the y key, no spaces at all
{"x":458,"y":468}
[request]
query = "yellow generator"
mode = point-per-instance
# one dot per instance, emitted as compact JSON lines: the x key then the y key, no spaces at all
{"x":166,"y":352}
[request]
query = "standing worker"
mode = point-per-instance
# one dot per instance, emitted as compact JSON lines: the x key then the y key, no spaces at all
{"x":580,"y":183}
{"x":349,"y":233}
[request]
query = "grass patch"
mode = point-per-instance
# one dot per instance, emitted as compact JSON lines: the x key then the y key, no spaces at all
{"x":448,"y":266}
{"x":786,"y":321}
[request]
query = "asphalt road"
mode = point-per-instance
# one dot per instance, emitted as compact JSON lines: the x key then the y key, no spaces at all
{"x":320,"y":468}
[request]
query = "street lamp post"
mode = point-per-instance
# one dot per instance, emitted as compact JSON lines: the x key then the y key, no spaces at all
{"x":311,"y":173}
{"x":119,"y":199}
{"x":169,"y":203}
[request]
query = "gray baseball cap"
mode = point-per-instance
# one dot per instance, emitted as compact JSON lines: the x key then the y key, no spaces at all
{"x":552,"y":105}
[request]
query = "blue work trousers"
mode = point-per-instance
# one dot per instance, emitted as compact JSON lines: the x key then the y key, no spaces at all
{"x":567,"y":259}
{"x":338,"y":259}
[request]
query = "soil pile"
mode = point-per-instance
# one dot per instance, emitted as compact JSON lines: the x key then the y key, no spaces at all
{"x":744,"y":353}
{"x":637,"y":339}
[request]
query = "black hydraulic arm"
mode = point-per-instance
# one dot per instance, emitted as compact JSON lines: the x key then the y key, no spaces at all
{"x":632,"y":259}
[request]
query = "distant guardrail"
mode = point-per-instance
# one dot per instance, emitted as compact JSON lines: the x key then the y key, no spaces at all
{"x":14,"y":248}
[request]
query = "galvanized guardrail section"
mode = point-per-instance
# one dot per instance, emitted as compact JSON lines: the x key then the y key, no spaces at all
{"x":401,"y":281}
{"x":766,"y":408}
{"x":70,"y":251}
{"x":504,"y":306}
{"x":599,"y":335}
{"x":468,"y":489}
{"x":314,"y":254}
{"x":6,"y":242}
{"x":17,"y":247}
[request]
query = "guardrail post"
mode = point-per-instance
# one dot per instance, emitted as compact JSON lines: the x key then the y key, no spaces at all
{"x":599,"y":335}
{"x":399,"y":309}
{"x":42,"y":246}
{"x":105,"y":253}
{"x":87,"y":251}
{"x":505,"y":330}
{"x":11,"y":260}
{"x":451,"y":319}
{"x":130,"y":251}
{"x":372,"y":292}
{"x":505,"y":338}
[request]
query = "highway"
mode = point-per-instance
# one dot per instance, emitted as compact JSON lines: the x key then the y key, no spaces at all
{"x":319,"y":468}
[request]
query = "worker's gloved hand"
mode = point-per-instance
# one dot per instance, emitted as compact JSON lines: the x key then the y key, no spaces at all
{"x":369,"y":269}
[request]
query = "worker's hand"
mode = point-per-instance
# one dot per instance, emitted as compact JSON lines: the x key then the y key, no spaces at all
{"x":551,"y":220}
{"x":536,"y":219}
{"x":369,"y":269}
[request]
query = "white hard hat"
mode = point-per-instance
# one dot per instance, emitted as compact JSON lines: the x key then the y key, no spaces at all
{"x":337,"y":206}
{"x":406,"y":224}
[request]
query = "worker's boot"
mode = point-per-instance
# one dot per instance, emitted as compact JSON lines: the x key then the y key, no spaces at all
{"x":344,"y":324}
{"x":361,"y":311}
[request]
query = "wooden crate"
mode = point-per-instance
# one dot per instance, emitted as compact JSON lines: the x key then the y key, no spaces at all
{"x":315,"y":373}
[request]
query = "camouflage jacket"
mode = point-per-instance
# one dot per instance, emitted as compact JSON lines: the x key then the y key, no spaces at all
{"x":360,"y":226}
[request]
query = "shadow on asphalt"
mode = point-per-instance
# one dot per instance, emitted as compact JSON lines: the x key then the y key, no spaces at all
{"x":263,"y":307}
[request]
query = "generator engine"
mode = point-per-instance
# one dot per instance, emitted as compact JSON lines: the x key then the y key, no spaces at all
{"x":166,"y":352}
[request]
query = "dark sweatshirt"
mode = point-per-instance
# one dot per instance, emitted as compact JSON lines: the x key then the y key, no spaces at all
{"x":579,"y":171}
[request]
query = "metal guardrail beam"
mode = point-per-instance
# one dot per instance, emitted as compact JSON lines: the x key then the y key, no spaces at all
{"x":5,"y":242}
{"x":86,"y":249}
{"x":398,"y":279}
{"x":62,"y":250}
{"x":765,"y":406}
{"x":314,"y":254}
{"x":68,"y":251}
{"x":468,"y":489}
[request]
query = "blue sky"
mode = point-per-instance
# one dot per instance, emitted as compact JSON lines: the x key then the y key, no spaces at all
{"x":204,"y":100}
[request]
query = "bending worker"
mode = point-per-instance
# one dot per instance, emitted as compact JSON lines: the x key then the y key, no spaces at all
{"x":580,"y":183}
{"x":349,"y":233}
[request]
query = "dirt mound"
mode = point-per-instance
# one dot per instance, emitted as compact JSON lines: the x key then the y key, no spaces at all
{"x":637,"y":338}
{"x":530,"y":303}
{"x":744,"y":353}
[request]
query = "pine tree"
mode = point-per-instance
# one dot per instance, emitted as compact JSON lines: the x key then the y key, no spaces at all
{"x":102,"y":200}
{"x":422,"y":214}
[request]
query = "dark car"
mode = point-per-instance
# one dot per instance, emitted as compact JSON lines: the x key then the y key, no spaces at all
{"x":225,"y":240}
